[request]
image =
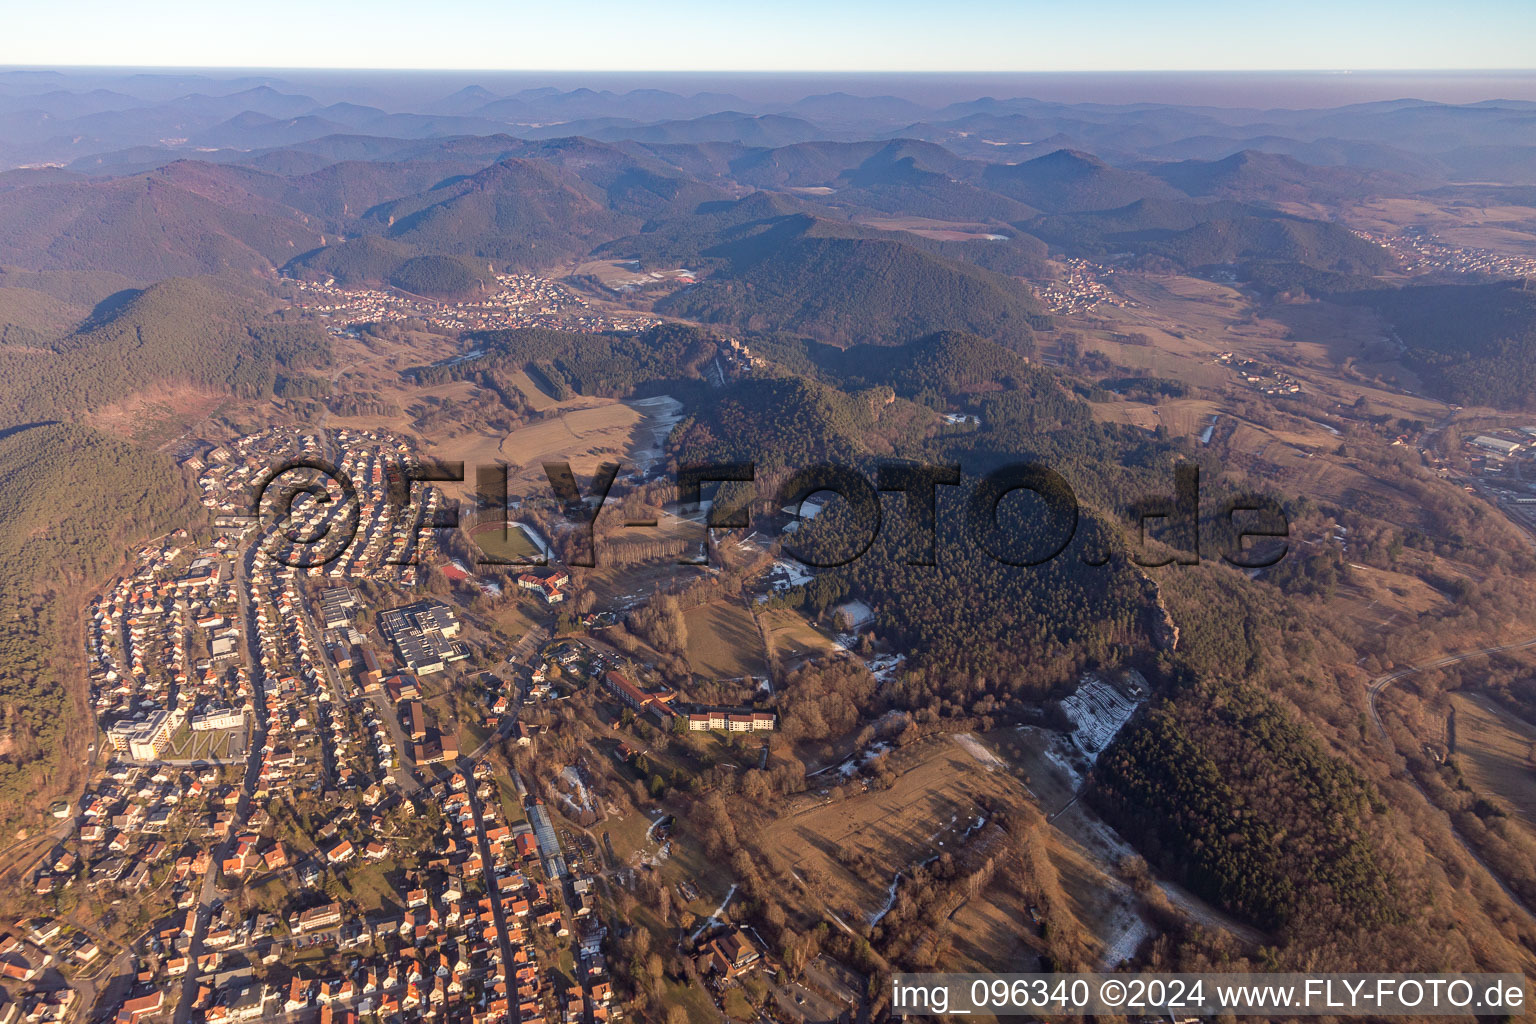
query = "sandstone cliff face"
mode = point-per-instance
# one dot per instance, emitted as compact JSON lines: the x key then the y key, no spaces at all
{"x":1165,"y":632}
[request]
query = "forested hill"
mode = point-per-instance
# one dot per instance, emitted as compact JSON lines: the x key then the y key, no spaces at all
{"x":71,"y":501}
{"x":1473,"y":344}
{"x":977,"y":628}
{"x":611,"y":364}
{"x":1257,"y":176}
{"x":177,"y":332}
{"x":808,"y":277}
{"x":1066,"y":180}
{"x":779,"y":423}
{"x":1192,"y":234}
{"x":146,"y":227}
{"x":375,"y":262}
{"x":521,"y":213}
{"x":937,"y":365}
{"x":1224,"y":790}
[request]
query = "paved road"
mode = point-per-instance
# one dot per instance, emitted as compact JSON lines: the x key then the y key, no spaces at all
{"x":1380,"y":683}
{"x":111,"y":981}
{"x":492,"y":888}
{"x":405,"y":775}
{"x":252,"y":773}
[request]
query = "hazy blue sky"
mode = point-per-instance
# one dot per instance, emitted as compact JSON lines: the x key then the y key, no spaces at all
{"x":901,"y":35}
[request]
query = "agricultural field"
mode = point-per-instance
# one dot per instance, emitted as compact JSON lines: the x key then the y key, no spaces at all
{"x":1497,"y":751}
{"x":535,"y":396}
{"x":1188,"y":322}
{"x":1182,"y":417}
{"x":938,"y":230}
{"x":1508,"y":227}
{"x":991,"y":932}
{"x":792,"y":637}
{"x":583,"y":437}
{"x":724,"y":642}
{"x":625,"y":275}
{"x":931,"y":801}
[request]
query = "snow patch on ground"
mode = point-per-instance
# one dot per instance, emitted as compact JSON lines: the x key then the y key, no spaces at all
{"x":1054,"y":753}
{"x":890,"y":901}
{"x":573,"y":778}
{"x":784,"y":574}
{"x":979,"y":751}
{"x":850,"y":765}
{"x":1099,"y":711}
{"x":1122,"y":944}
{"x":884,"y":666}
{"x":858,"y":612}
{"x":662,"y":413}
{"x":714,"y":918}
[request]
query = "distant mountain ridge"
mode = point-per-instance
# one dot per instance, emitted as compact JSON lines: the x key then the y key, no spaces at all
{"x":1067,"y":181}
{"x":95,"y":119}
{"x":800,"y":274}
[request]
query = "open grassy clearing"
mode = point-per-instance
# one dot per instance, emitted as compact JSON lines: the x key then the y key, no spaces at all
{"x":992,"y":932}
{"x":1375,"y":598}
{"x":629,"y":586}
{"x":515,"y":618}
{"x":793,"y":637}
{"x":631,"y":546}
{"x":1498,"y":752}
{"x":536,"y":397}
{"x":156,"y":418}
{"x":1024,"y":749}
{"x":583,"y":437}
{"x":938,"y":230}
{"x":724,"y":642}
{"x":453,"y":391}
{"x":681,"y":858}
{"x":1317,"y":471}
{"x":930,"y":803}
{"x":1085,"y":849}
{"x":627,"y":834}
{"x":369,"y":885}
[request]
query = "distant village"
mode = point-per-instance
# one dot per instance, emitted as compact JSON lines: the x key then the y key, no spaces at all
{"x":1261,"y":377}
{"x":521,"y":300}
{"x":1081,"y":289}
{"x":1422,"y":252}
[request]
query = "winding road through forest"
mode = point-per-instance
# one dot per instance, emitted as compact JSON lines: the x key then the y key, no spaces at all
{"x":1380,"y":683}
